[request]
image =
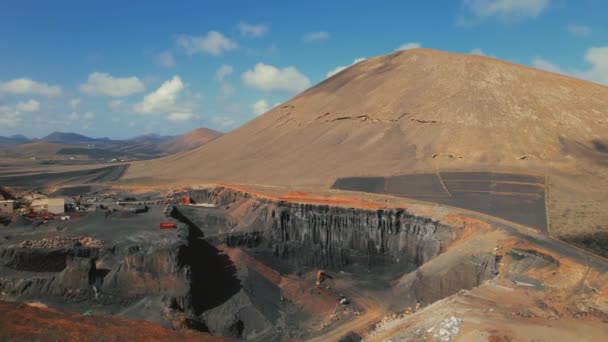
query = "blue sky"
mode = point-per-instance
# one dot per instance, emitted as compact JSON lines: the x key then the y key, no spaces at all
{"x":124,"y":68}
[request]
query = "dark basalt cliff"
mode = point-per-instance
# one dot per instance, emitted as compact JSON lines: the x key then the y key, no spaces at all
{"x":328,"y":236}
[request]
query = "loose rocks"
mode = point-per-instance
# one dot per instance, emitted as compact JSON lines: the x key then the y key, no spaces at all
{"x":63,"y":242}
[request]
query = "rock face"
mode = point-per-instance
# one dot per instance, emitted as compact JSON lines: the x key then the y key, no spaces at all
{"x":305,"y":236}
{"x":332,"y":237}
{"x":74,"y":283}
{"x":145,"y":273}
{"x":132,"y":279}
{"x":72,"y":274}
{"x":336,"y":237}
{"x":43,"y":259}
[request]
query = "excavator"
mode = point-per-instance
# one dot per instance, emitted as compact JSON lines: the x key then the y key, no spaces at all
{"x":321,"y":277}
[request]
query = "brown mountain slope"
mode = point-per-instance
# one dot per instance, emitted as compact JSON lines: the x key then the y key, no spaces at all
{"x":189,"y":140}
{"x":411,"y":110}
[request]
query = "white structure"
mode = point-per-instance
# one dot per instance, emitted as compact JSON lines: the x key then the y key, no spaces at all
{"x":7,"y":207}
{"x":50,"y":205}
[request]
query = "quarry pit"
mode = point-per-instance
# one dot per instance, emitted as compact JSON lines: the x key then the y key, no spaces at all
{"x":243,"y":266}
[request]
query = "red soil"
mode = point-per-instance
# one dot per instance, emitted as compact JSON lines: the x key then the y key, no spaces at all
{"x":23,"y":322}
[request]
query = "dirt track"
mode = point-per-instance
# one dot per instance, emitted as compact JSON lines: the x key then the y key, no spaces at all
{"x":373,"y":312}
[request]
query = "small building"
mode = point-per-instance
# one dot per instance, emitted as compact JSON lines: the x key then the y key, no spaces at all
{"x":7,"y":206}
{"x":50,"y":205}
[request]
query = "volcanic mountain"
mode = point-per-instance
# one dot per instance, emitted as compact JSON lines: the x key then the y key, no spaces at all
{"x":410,"y":110}
{"x":425,"y":111}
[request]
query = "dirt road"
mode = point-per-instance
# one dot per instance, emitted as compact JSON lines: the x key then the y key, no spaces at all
{"x":374,"y":310}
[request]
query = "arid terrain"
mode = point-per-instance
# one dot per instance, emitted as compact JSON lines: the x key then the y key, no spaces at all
{"x":416,"y":196}
{"x":75,"y":149}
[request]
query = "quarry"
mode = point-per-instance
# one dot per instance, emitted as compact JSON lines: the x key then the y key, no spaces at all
{"x":383,"y":204}
{"x":240,"y":263}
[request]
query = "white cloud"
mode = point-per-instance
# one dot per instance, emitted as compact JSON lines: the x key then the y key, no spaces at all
{"x":222,"y":72}
{"x":100,"y":83}
{"x":87,"y":120}
{"x":165,"y":59}
{"x":9,"y":117}
{"x":596,"y":57}
{"x":407,"y":46}
{"x":25,"y":85}
{"x":269,"y":78}
{"x":167,"y":100}
{"x":477,"y":51}
{"x":543,"y":64}
{"x":162,"y":99}
{"x":260,"y":107}
{"x":74,"y":116}
{"x":579,"y":30}
{"x":89,"y":116}
{"x":507,"y":9}
{"x":226,"y":90}
{"x":74,"y":103}
{"x":315,"y":36}
{"x":250,"y":30}
{"x":29,"y":106}
{"x":342,"y":67}
{"x":115,"y":104}
{"x":180,"y":116}
{"x":214,"y":43}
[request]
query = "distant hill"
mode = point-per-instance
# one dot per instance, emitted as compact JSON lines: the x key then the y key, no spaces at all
{"x":71,"y":138}
{"x":74,"y":146}
{"x":151,"y":137}
{"x":14,"y":139}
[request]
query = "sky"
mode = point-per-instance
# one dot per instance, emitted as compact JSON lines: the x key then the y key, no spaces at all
{"x":124,"y":68}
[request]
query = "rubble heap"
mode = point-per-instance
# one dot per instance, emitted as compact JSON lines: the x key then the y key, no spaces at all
{"x":63,"y":242}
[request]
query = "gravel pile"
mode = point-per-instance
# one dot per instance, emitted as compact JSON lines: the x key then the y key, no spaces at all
{"x":62,"y":242}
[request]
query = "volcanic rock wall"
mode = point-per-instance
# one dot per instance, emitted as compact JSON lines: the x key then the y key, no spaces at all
{"x":335,"y":237}
{"x":330,"y":236}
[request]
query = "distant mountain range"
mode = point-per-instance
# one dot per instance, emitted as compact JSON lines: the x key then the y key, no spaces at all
{"x":65,"y":144}
{"x":71,"y":138}
{"x":75,"y":138}
{"x":14,"y":139}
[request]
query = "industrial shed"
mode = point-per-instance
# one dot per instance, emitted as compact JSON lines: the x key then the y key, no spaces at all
{"x":51,"y":205}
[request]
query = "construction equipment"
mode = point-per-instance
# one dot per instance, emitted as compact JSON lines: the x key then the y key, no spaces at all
{"x":321,"y":277}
